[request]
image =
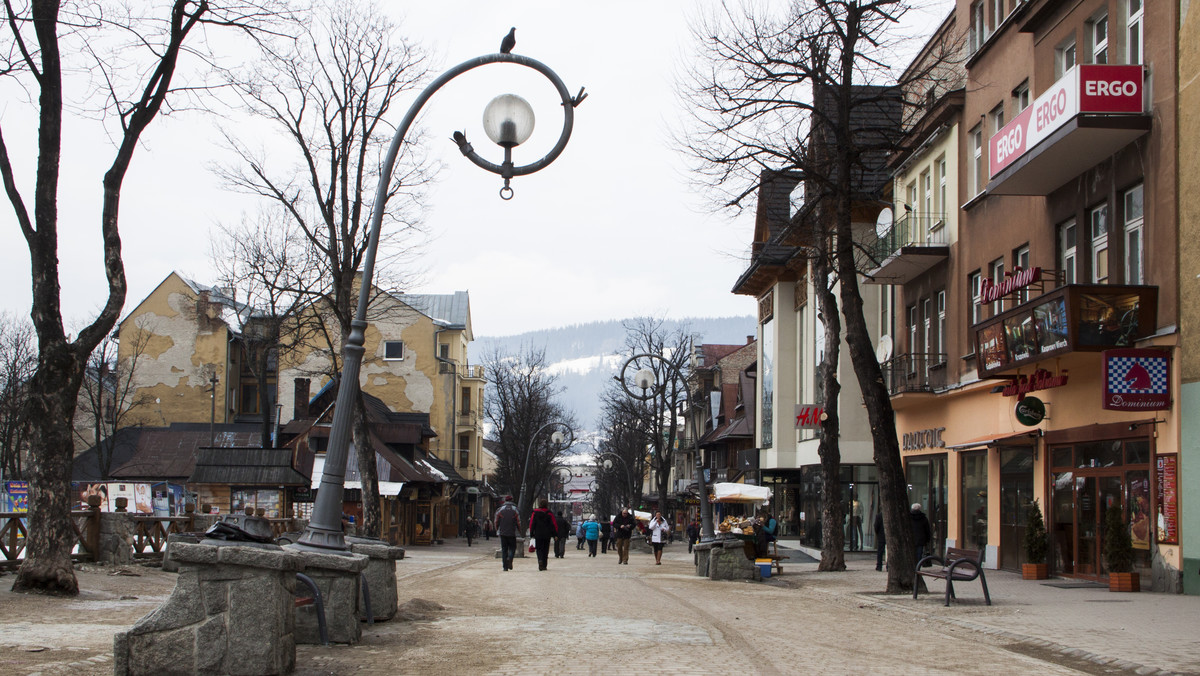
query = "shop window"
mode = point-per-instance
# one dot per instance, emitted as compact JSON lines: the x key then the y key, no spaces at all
{"x":974,"y":500}
{"x":1061,"y":457}
{"x":1098,"y":28}
{"x":269,"y":500}
{"x":1137,"y":452}
{"x":1066,"y":251}
{"x":1021,"y":97}
{"x":1098,"y":222}
{"x":1134,"y":237}
{"x":393,"y":350}
{"x":1133,"y":31}
{"x":1098,"y":454}
{"x":1064,"y":58}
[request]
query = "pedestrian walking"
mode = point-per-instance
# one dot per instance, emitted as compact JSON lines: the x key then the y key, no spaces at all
{"x":488,"y":529}
{"x":693,"y":533}
{"x":469,"y":529}
{"x":542,"y":528}
{"x":880,"y":540}
{"x":623,"y":531}
{"x":560,"y":538}
{"x":922,"y":531}
{"x":605,"y":535}
{"x":591,"y":533}
{"x":660,"y":531}
{"x":579,"y":533}
{"x":508,"y":521}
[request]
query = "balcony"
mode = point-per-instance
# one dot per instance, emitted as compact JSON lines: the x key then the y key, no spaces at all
{"x":914,"y":244}
{"x":917,"y":372}
{"x":468,"y":418}
{"x":1073,"y":318}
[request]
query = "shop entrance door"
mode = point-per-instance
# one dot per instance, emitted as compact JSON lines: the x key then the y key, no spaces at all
{"x":927,"y":484}
{"x":1016,"y":498}
{"x":1095,"y":493}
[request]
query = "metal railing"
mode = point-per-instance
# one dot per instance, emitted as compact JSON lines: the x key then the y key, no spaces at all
{"x":917,"y":372}
{"x":912,"y":230}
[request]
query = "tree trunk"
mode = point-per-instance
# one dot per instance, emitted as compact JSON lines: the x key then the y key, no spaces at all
{"x":47,"y":567}
{"x":371,"y":526}
{"x":833,"y":543}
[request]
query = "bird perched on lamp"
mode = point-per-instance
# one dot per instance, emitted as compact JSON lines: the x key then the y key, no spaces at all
{"x":509,"y":41}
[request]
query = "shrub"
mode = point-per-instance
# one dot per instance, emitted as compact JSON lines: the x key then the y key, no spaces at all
{"x":1035,"y":535}
{"x":1118,"y":546}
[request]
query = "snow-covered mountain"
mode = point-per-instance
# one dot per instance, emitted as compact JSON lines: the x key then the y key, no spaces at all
{"x":586,"y":356}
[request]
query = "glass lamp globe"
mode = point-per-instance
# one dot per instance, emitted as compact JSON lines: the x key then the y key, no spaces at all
{"x":557,"y":438}
{"x":508,"y":120}
{"x":608,"y":463}
{"x":644,"y":378}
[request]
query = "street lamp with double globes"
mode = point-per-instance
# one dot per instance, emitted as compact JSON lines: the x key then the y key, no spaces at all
{"x":609,"y":456}
{"x":508,"y":124}
{"x":646,"y":380}
{"x":560,"y":439}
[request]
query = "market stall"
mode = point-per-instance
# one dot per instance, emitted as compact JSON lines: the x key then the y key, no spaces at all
{"x":742,"y":524}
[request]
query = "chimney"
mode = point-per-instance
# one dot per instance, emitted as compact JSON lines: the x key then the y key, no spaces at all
{"x":300,"y":393}
{"x":749,"y":339}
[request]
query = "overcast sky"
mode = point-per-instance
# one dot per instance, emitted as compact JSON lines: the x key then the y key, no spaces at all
{"x":612,"y":229}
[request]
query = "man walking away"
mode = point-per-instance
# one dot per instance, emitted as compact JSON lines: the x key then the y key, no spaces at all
{"x":560,"y":538}
{"x":605,"y":535}
{"x":922,"y":531}
{"x":693,"y":533}
{"x":591,"y":533}
{"x":623,"y":531}
{"x":507,"y":521}
{"x":542,"y":527}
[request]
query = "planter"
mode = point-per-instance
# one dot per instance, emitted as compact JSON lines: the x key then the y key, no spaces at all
{"x":1124,"y":582}
{"x":1035,"y":571}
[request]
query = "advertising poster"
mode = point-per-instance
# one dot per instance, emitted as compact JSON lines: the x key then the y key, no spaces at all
{"x":18,"y":496}
{"x":95,"y":489}
{"x":1050,"y":320}
{"x":116,"y":490}
{"x":1136,"y":380}
{"x":992,"y":350}
{"x":1022,"y":340}
{"x":142,"y":502}
{"x":1167,"y":523}
{"x":161,"y":499}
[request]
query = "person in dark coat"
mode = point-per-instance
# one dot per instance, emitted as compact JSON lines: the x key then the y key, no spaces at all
{"x":605,"y":535}
{"x":507,"y":520}
{"x":542,"y":528}
{"x":922,"y":531}
{"x":623,"y":527}
{"x":693,"y":533}
{"x":560,"y":539}
{"x":880,"y":540}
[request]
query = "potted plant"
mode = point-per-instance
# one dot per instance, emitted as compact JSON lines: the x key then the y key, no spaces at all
{"x":1035,"y":567}
{"x":1118,"y":553}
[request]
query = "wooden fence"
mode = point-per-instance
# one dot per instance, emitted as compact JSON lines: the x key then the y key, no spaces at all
{"x":14,"y":535}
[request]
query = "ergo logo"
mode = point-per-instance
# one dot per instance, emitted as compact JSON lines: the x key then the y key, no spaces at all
{"x":1050,"y":109}
{"x":1011,"y":142}
{"x":1113,"y":88}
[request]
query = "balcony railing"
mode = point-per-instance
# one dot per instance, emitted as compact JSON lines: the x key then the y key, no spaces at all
{"x":468,"y":418}
{"x":912,"y":230}
{"x":916,"y":372}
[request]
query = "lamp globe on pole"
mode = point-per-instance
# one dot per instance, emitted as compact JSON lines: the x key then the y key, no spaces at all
{"x":508,"y":120}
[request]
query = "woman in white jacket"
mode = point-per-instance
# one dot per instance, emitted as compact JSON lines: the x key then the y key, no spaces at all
{"x":660,"y":530}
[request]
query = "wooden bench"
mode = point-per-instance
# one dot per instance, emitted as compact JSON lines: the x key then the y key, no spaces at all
{"x":960,"y":565}
{"x":776,"y":557}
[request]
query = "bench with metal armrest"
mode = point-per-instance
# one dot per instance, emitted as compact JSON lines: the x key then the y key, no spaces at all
{"x":960,"y":565}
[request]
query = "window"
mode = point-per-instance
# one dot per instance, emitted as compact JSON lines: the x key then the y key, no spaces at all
{"x":444,"y":351}
{"x":998,"y":14}
{"x":1098,"y":220}
{"x":943,"y":206}
{"x":927,"y":198}
{"x":1021,"y":260}
{"x":1134,"y":242}
{"x":1133,"y":31}
{"x":976,"y":183}
{"x":996,"y":274}
{"x":912,"y":200}
{"x":464,"y":459}
{"x":978,"y":26}
{"x":1021,"y":97}
{"x":393,"y":350}
{"x":941,"y":325}
{"x":465,"y":400}
{"x":1099,"y":31}
{"x":997,"y":118}
{"x":886,"y":292}
{"x":912,"y":328}
{"x":927,"y":346}
{"x":1064,"y":58}
{"x":1066,"y":252}
{"x":975,"y":283}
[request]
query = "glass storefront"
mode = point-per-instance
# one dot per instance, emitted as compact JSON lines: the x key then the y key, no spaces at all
{"x":974,"y":502}
{"x":928,"y":485}
{"x":270,"y":500}
{"x":859,"y":492}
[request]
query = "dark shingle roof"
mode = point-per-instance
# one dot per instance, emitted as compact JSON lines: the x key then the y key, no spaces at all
{"x":170,"y":453}
{"x":247,"y":467}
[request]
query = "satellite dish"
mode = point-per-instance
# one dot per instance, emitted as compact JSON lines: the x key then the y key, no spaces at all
{"x":883,"y":223}
{"x":883,"y":351}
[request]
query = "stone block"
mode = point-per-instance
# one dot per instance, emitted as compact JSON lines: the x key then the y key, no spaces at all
{"x":381,"y":578}
{"x":181,"y":609}
{"x":731,"y":564}
{"x":170,"y":563}
{"x":337,"y":578}
{"x":347,"y":563}
{"x":215,"y":596}
{"x":269,"y":557}
{"x":162,"y":653}
{"x":185,"y":552}
{"x":211,"y":639}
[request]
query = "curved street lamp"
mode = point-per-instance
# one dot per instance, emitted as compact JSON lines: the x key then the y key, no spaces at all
{"x":609,"y":456}
{"x":646,"y":380}
{"x":508,"y":124}
{"x":560,"y":439}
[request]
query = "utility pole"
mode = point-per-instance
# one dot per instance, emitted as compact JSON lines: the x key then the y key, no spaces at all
{"x":212,"y":421}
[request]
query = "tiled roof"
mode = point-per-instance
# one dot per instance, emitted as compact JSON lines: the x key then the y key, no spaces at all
{"x":165,"y":452}
{"x":449,"y":309}
{"x":247,"y":467}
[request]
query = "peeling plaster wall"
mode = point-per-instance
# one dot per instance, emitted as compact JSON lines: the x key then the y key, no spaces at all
{"x":182,"y":343}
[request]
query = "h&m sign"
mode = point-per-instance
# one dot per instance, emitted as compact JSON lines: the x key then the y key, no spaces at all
{"x":809,"y":416}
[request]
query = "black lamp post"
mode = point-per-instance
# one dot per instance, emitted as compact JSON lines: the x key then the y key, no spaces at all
{"x":508,"y":121}
{"x":560,"y":439}
{"x":645,"y":380}
{"x":609,"y":456}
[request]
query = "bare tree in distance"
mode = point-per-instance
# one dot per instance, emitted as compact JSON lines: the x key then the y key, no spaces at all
{"x":134,"y":61}
{"x":108,"y":397}
{"x":621,"y":422}
{"x":18,"y":360}
{"x":522,"y":399}
{"x":327,"y":95}
{"x":271,"y":271}
{"x":813,"y":91}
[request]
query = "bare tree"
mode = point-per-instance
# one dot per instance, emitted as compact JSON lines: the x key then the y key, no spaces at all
{"x":521,"y":401}
{"x":272,"y":271}
{"x":18,"y":359}
{"x":108,"y":397}
{"x":813,"y":92}
{"x":620,"y":424}
{"x":135,"y":61}
{"x":327,"y":95}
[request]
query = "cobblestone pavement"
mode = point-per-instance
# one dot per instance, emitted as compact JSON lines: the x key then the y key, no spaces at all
{"x":590,"y":615}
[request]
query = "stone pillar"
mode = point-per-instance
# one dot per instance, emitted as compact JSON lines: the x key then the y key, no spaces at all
{"x":728,"y":561}
{"x":115,"y":544}
{"x":380,"y":574}
{"x":230,"y":613}
{"x":336,"y":575}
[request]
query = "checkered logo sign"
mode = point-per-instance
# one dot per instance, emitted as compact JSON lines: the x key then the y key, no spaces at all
{"x":1136,"y":380}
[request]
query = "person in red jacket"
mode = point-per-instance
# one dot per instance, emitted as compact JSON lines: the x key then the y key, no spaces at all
{"x":543,"y":527}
